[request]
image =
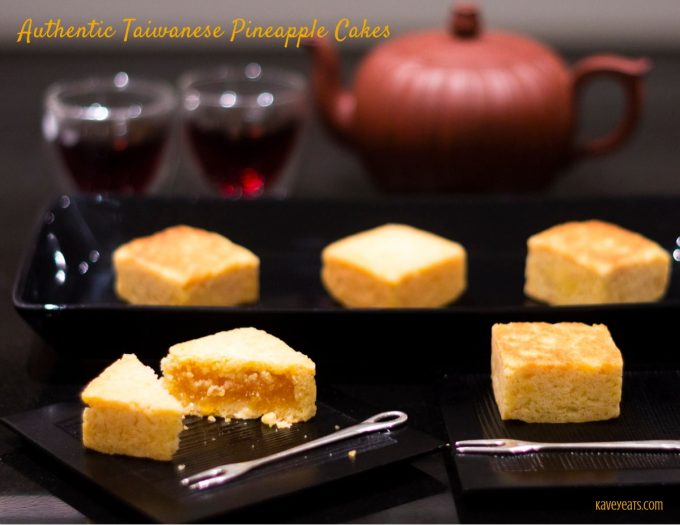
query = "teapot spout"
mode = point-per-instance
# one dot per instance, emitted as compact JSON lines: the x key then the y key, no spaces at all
{"x":336,"y":104}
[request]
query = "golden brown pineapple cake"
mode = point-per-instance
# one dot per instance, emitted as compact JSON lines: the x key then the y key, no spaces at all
{"x":394,"y":266}
{"x":555,"y":373}
{"x":183,"y":265}
{"x":243,"y":373}
{"x":594,"y":262}
{"x":129,"y":412}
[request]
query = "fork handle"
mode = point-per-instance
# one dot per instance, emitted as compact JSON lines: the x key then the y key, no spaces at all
{"x":340,"y":435}
{"x":223,"y":473}
{"x":525,"y":447}
{"x":651,"y":444}
{"x":219,"y":475}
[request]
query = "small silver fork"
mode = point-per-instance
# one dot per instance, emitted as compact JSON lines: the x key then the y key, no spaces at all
{"x":516,"y":446}
{"x":220,"y":475}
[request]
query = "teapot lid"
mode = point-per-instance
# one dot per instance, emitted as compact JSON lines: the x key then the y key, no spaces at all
{"x":467,"y":44}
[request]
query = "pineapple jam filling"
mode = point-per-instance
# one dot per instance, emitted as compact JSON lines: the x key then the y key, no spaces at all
{"x":262,"y":391}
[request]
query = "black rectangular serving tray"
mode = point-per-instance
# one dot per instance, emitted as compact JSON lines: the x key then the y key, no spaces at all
{"x":650,"y":409}
{"x":64,"y":289}
{"x":153,"y":488}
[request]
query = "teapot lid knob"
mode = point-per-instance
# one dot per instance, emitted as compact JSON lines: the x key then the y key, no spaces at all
{"x":465,"y":22}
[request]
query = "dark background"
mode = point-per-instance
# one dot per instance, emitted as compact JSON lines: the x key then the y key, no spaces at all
{"x":30,"y":375}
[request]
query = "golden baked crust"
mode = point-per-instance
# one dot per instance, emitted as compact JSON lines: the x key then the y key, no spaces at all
{"x":555,"y":373}
{"x":130,"y":412}
{"x":182,"y":265}
{"x":394,"y":265}
{"x":594,"y":262}
{"x":242,"y":373}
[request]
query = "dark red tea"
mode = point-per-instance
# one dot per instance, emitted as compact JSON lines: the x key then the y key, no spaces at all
{"x":116,"y":165}
{"x":241,"y":165}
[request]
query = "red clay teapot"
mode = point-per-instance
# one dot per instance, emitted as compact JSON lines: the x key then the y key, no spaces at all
{"x":466,"y":109}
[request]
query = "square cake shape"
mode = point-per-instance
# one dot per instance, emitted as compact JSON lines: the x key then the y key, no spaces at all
{"x":394,"y":265}
{"x":243,"y":373}
{"x":594,"y":262}
{"x":182,"y":265}
{"x":129,"y":412}
{"x":555,"y":373}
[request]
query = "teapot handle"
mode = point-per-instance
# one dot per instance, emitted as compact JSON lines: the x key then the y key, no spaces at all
{"x":629,"y":74}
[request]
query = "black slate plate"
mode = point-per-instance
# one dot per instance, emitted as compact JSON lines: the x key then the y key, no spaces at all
{"x":64,"y":288}
{"x":153,"y":488}
{"x":650,"y":409}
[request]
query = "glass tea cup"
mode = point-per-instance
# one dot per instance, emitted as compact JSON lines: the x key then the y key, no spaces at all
{"x":241,"y":124}
{"x":110,"y":133}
